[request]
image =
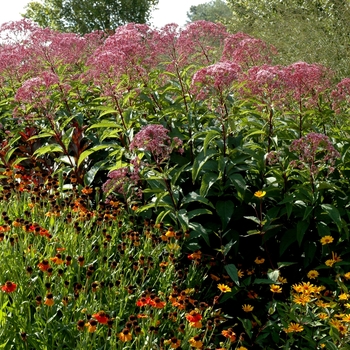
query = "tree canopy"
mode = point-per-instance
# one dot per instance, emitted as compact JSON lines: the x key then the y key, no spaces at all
{"x":315,"y":31}
{"x":308,"y":30}
{"x":84,"y":16}
{"x":213,"y":11}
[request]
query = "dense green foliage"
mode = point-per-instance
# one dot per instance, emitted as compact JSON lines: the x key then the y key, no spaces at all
{"x":236,"y":171}
{"x":85,"y":16}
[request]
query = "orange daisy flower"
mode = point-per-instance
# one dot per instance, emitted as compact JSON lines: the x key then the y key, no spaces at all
{"x":196,"y":342}
{"x":92,"y":325}
{"x":49,"y":300}
{"x":9,"y":287}
{"x":229,"y":334}
{"x":44,"y":265}
{"x":193,"y":316}
{"x":57,"y":260}
{"x":125,"y":335}
{"x":101,"y":317}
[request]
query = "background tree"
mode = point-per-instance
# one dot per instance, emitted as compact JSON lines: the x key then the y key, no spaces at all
{"x":308,"y":30}
{"x":314,"y":31}
{"x":84,"y":16}
{"x":213,"y":11}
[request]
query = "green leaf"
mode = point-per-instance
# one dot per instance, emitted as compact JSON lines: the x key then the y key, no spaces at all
{"x":154,"y":205}
{"x":48,"y":149}
{"x":211,"y":135}
{"x":227,"y":296}
{"x":153,"y":190}
{"x":91,"y":173}
{"x":208,"y":180}
{"x":162,"y":215}
{"x":228,"y":247}
{"x":333,"y":213}
{"x":289,"y":208}
{"x":183,"y":218}
{"x":256,"y":132}
{"x":200,"y":231}
{"x":247,"y":325}
{"x":67,"y":137}
{"x":302,"y":226}
{"x":283,"y":264}
{"x":191,"y":214}
{"x":225,"y":210}
{"x":253,"y":232}
{"x":325,"y":185}
{"x":323,"y":229}
{"x":254,"y":219}
{"x":331,"y":346}
{"x":177,"y":174}
{"x":66,"y":160}
{"x":240,"y":184}
{"x":272,"y":307}
{"x":310,"y":248}
{"x":288,"y":238}
{"x":264,"y":281}
{"x":288,"y":199}
{"x":42,"y":135}
{"x":18,"y":160}
{"x":232,"y":271}
{"x":307,"y":212}
{"x":91,"y":150}
{"x":195,"y":197}
{"x":198,"y":165}
{"x":106,"y":110}
{"x":105,"y":124}
{"x":9,"y":154}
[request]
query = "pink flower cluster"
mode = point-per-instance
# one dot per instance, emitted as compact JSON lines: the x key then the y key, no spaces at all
{"x":292,"y":87}
{"x":215,"y":78}
{"x":247,"y":51}
{"x":154,"y":139}
{"x":264,"y":83}
{"x":37,"y":91}
{"x":315,"y":152}
{"x":131,"y":51}
{"x":306,"y":82}
{"x":34,"y":90}
{"x":201,"y":43}
{"x":341,"y":95}
{"x":125,"y":61}
{"x":124,"y":182}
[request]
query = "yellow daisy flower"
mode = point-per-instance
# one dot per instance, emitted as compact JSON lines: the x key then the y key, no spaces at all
{"x":301,"y":299}
{"x":240,"y":273}
{"x":274,"y":288}
{"x":346,"y":318}
{"x":247,"y":308}
{"x":259,"y":261}
{"x":294,"y":327}
{"x":343,"y":296}
{"x":326,"y":240}
{"x":260,"y":194}
{"x":312,"y":274}
{"x":224,"y":288}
